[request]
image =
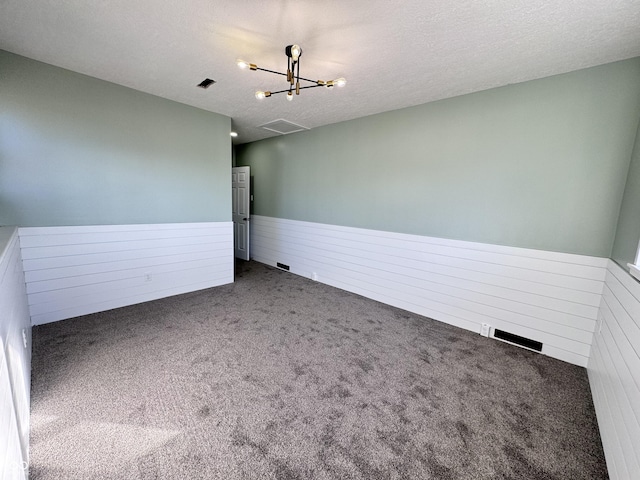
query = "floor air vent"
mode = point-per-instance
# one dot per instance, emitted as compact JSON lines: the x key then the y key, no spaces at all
{"x":517,"y":340}
{"x":282,"y":266}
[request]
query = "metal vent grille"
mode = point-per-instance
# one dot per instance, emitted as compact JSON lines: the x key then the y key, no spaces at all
{"x":283,"y":127}
{"x":517,"y":340}
{"x":206,"y":83}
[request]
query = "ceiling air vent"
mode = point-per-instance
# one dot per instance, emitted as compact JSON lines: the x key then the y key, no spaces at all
{"x":206,"y":83}
{"x":283,"y":127}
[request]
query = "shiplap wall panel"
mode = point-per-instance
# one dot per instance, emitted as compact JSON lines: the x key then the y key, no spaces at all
{"x":453,"y":279}
{"x":449,"y":285}
{"x":72,"y":271}
{"x":126,"y":297}
{"x":11,"y":461}
{"x":15,"y":359}
{"x":105,"y":248}
{"x":360,"y":253}
{"x":612,"y":447}
{"x":50,"y":267}
{"x":37,"y":290}
{"x":622,"y":411}
{"x":614,"y":373}
{"x":547,"y":296}
{"x":85,"y":294}
{"x":563,"y":263}
{"x":140,"y":260}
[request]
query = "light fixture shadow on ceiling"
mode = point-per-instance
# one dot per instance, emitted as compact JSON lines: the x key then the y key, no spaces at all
{"x":282,"y":126}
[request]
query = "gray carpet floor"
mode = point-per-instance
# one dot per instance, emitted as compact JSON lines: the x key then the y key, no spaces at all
{"x":280,"y":377}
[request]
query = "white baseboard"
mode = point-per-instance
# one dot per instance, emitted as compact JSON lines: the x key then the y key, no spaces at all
{"x":549,"y":297}
{"x":614,"y":373}
{"x":72,"y":271}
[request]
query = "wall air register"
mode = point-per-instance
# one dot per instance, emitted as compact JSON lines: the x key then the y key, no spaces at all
{"x":517,"y":340}
{"x":282,"y":266}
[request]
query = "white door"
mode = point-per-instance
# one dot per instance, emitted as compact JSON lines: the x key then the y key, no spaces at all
{"x":241,"y":191}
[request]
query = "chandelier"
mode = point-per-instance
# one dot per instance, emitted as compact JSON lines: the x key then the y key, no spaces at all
{"x":294,"y":52}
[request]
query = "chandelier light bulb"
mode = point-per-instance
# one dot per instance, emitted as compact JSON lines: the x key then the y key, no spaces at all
{"x":289,"y":95}
{"x":260,"y":95}
{"x":296,"y":51}
{"x":340,"y":82}
{"x":242,"y":63}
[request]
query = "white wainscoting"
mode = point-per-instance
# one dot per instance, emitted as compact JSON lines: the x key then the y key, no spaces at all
{"x":15,"y":360}
{"x":72,"y":271}
{"x":614,"y":373}
{"x":545,"y":296}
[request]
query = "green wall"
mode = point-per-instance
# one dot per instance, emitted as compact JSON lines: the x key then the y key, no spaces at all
{"x":75,"y":150}
{"x":540,"y":164}
{"x":628,"y":231}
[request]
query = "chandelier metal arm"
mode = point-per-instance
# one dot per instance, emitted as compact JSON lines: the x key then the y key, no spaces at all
{"x":311,"y":86}
{"x":301,"y":88}
{"x":284,"y":74}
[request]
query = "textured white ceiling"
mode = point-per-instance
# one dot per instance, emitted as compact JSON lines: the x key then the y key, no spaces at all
{"x":394,"y":53}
